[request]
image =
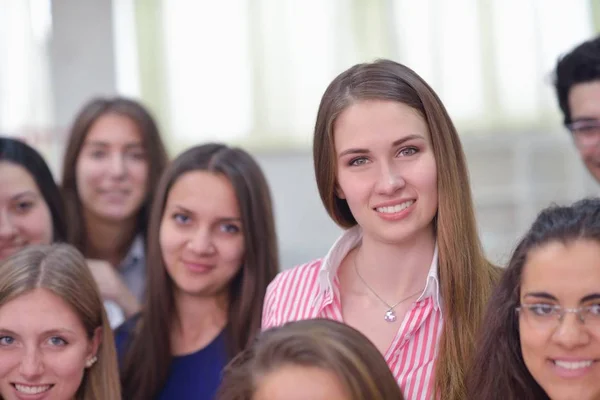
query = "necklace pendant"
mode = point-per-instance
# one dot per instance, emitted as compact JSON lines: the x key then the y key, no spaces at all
{"x":390,"y":316}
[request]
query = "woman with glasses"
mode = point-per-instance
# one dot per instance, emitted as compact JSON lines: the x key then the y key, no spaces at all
{"x":541,"y":335}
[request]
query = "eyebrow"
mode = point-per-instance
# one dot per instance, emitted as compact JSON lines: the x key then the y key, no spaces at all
{"x":95,"y":143}
{"x":220,"y":219}
{"x":24,"y":194}
{"x":541,"y":295}
{"x":589,"y":297}
{"x":50,"y":332}
{"x":394,"y":144}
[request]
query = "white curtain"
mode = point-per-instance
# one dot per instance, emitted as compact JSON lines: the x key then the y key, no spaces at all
{"x":25,"y":87}
{"x":253,"y":71}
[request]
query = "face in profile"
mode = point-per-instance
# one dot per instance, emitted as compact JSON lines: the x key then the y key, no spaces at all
{"x":43,"y":348}
{"x":386,"y":169}
{"x":201,"y":235}
{"x":296,"y":382}
{"x":24,"y":215}
{"x":584,"y":105}
{"x":112,"y":169}
{"x":562,"y":351}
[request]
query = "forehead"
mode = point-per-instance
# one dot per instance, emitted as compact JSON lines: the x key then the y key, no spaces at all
{"x":15,"y":179}
{"x":295,"y":382}
{"x":39,"y":310}
{"x":204,"y":192}
{"x":564,"y":270}
{"x":114,"y":129}
{"x":370,"y":121}
{"x":584,"y":100}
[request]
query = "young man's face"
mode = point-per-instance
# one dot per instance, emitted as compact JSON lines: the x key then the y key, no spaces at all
{"x":584,"y":104}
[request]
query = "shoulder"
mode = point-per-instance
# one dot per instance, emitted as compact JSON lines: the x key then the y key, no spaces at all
{"x":290,"y":295}
{"x":302,"y":273}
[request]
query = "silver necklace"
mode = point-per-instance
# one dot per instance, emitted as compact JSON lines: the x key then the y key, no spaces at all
{"x":390,"y":314}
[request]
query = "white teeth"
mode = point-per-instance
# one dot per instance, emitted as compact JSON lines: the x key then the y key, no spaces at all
{"x":396,"y":208}
{"x":572,"y":365}
{"x":32,"y":389}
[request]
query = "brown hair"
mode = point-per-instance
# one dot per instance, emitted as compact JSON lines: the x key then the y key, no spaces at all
{"x":466,"y":277}
{"x":61,"y":269}
{"x":157,"y":160}
{"x":320,"y":343}
{"x":498,"y":370}
{"x":148,"y":358}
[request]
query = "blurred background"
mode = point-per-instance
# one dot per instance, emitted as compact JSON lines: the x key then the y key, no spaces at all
{"x":251,"y":73}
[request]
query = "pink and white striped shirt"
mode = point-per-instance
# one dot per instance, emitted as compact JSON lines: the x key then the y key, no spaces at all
{"x":312,"y":291}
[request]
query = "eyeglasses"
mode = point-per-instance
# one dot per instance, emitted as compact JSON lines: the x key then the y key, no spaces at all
{"x":549,"y":316}
{"x":586,"y":133}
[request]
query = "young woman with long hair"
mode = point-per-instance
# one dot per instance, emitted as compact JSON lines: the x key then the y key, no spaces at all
{"x":111,"y":167}
{"x":212,"y":253}
{"x":409,"y":271}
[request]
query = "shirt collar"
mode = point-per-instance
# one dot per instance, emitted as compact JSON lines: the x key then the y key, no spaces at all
{"x":349,"y":240}
{"x":135,"y":253}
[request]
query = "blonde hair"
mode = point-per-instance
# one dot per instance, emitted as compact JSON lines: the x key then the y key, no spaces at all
{"x":320,"y":343}
{"x":466,"y":277}
{"x":61,"y":269}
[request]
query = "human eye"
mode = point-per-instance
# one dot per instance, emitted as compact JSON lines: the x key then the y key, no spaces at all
{"x":57,"y":341}
{"x":230,"y":228}
{"x":408,"y":151}
{"x":358,"y":161}
{"x":593,"y":310}
{"x":24,"y":206}
{"x":6,"y":340}
{"x":180,"y":218}
{"x":137,"y":154}
{"x":542,"y":310}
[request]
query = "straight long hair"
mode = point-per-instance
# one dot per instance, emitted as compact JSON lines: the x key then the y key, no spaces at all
{"x":62,"y":270}
{"x":157,"y":161}
{"x":499,"y":371}
{"x":147,"y":361}
{"x":317,"y":343}
{"x":466,"y":276}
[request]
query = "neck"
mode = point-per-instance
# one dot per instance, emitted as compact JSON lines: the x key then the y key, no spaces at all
{"x":392,"y":270}
{"x":108,"y":240}
{"x":198,"y":321}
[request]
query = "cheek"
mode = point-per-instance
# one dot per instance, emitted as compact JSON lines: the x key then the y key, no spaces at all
{"x":87,"y":175}
{"x":36,"y":226}
{"x":138,"y":172}
{"x":169,"y":240}
{"x":532,"y":347}
{"x":69,"y":367}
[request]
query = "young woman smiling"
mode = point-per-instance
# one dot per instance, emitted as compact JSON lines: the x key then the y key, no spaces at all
{"x":112,"y":164}
{"x":409,"y":272}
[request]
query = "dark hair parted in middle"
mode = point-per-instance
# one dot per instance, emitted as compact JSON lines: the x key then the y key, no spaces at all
{"x":146,"y":364}
{"x":320,"y":343}
{"x":154,"y":147}
{"x":25,"y":156}
{"x":498,"y":370}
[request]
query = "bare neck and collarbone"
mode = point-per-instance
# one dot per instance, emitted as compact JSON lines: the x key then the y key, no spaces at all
{"x":379,"y":282}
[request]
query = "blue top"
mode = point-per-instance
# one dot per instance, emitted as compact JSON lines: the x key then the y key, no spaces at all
{"x":192,"y":376}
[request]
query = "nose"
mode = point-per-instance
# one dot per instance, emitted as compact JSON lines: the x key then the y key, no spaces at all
{"x":118,"y":168}
{"x":32,"y":365}
{"x":7,"y":229}
{"x":389,"y":180}
{"x":571,"y":332}
{"x":201,"y":242}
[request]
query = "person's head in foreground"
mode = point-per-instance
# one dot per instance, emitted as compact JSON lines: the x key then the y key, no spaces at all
{"x":311,"y":359}
{"x":55,"y":340}
{"x":577,"y":84}
{"x":541,"y":333}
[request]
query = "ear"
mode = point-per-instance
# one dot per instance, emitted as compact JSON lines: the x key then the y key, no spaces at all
{"x":339,"y":192}
{"x":96,"y":341}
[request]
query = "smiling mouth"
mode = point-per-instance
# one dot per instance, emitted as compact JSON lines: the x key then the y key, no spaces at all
{"x":31,"y":389}
{"x":573,"y":365}
{"x":395,"y":209}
